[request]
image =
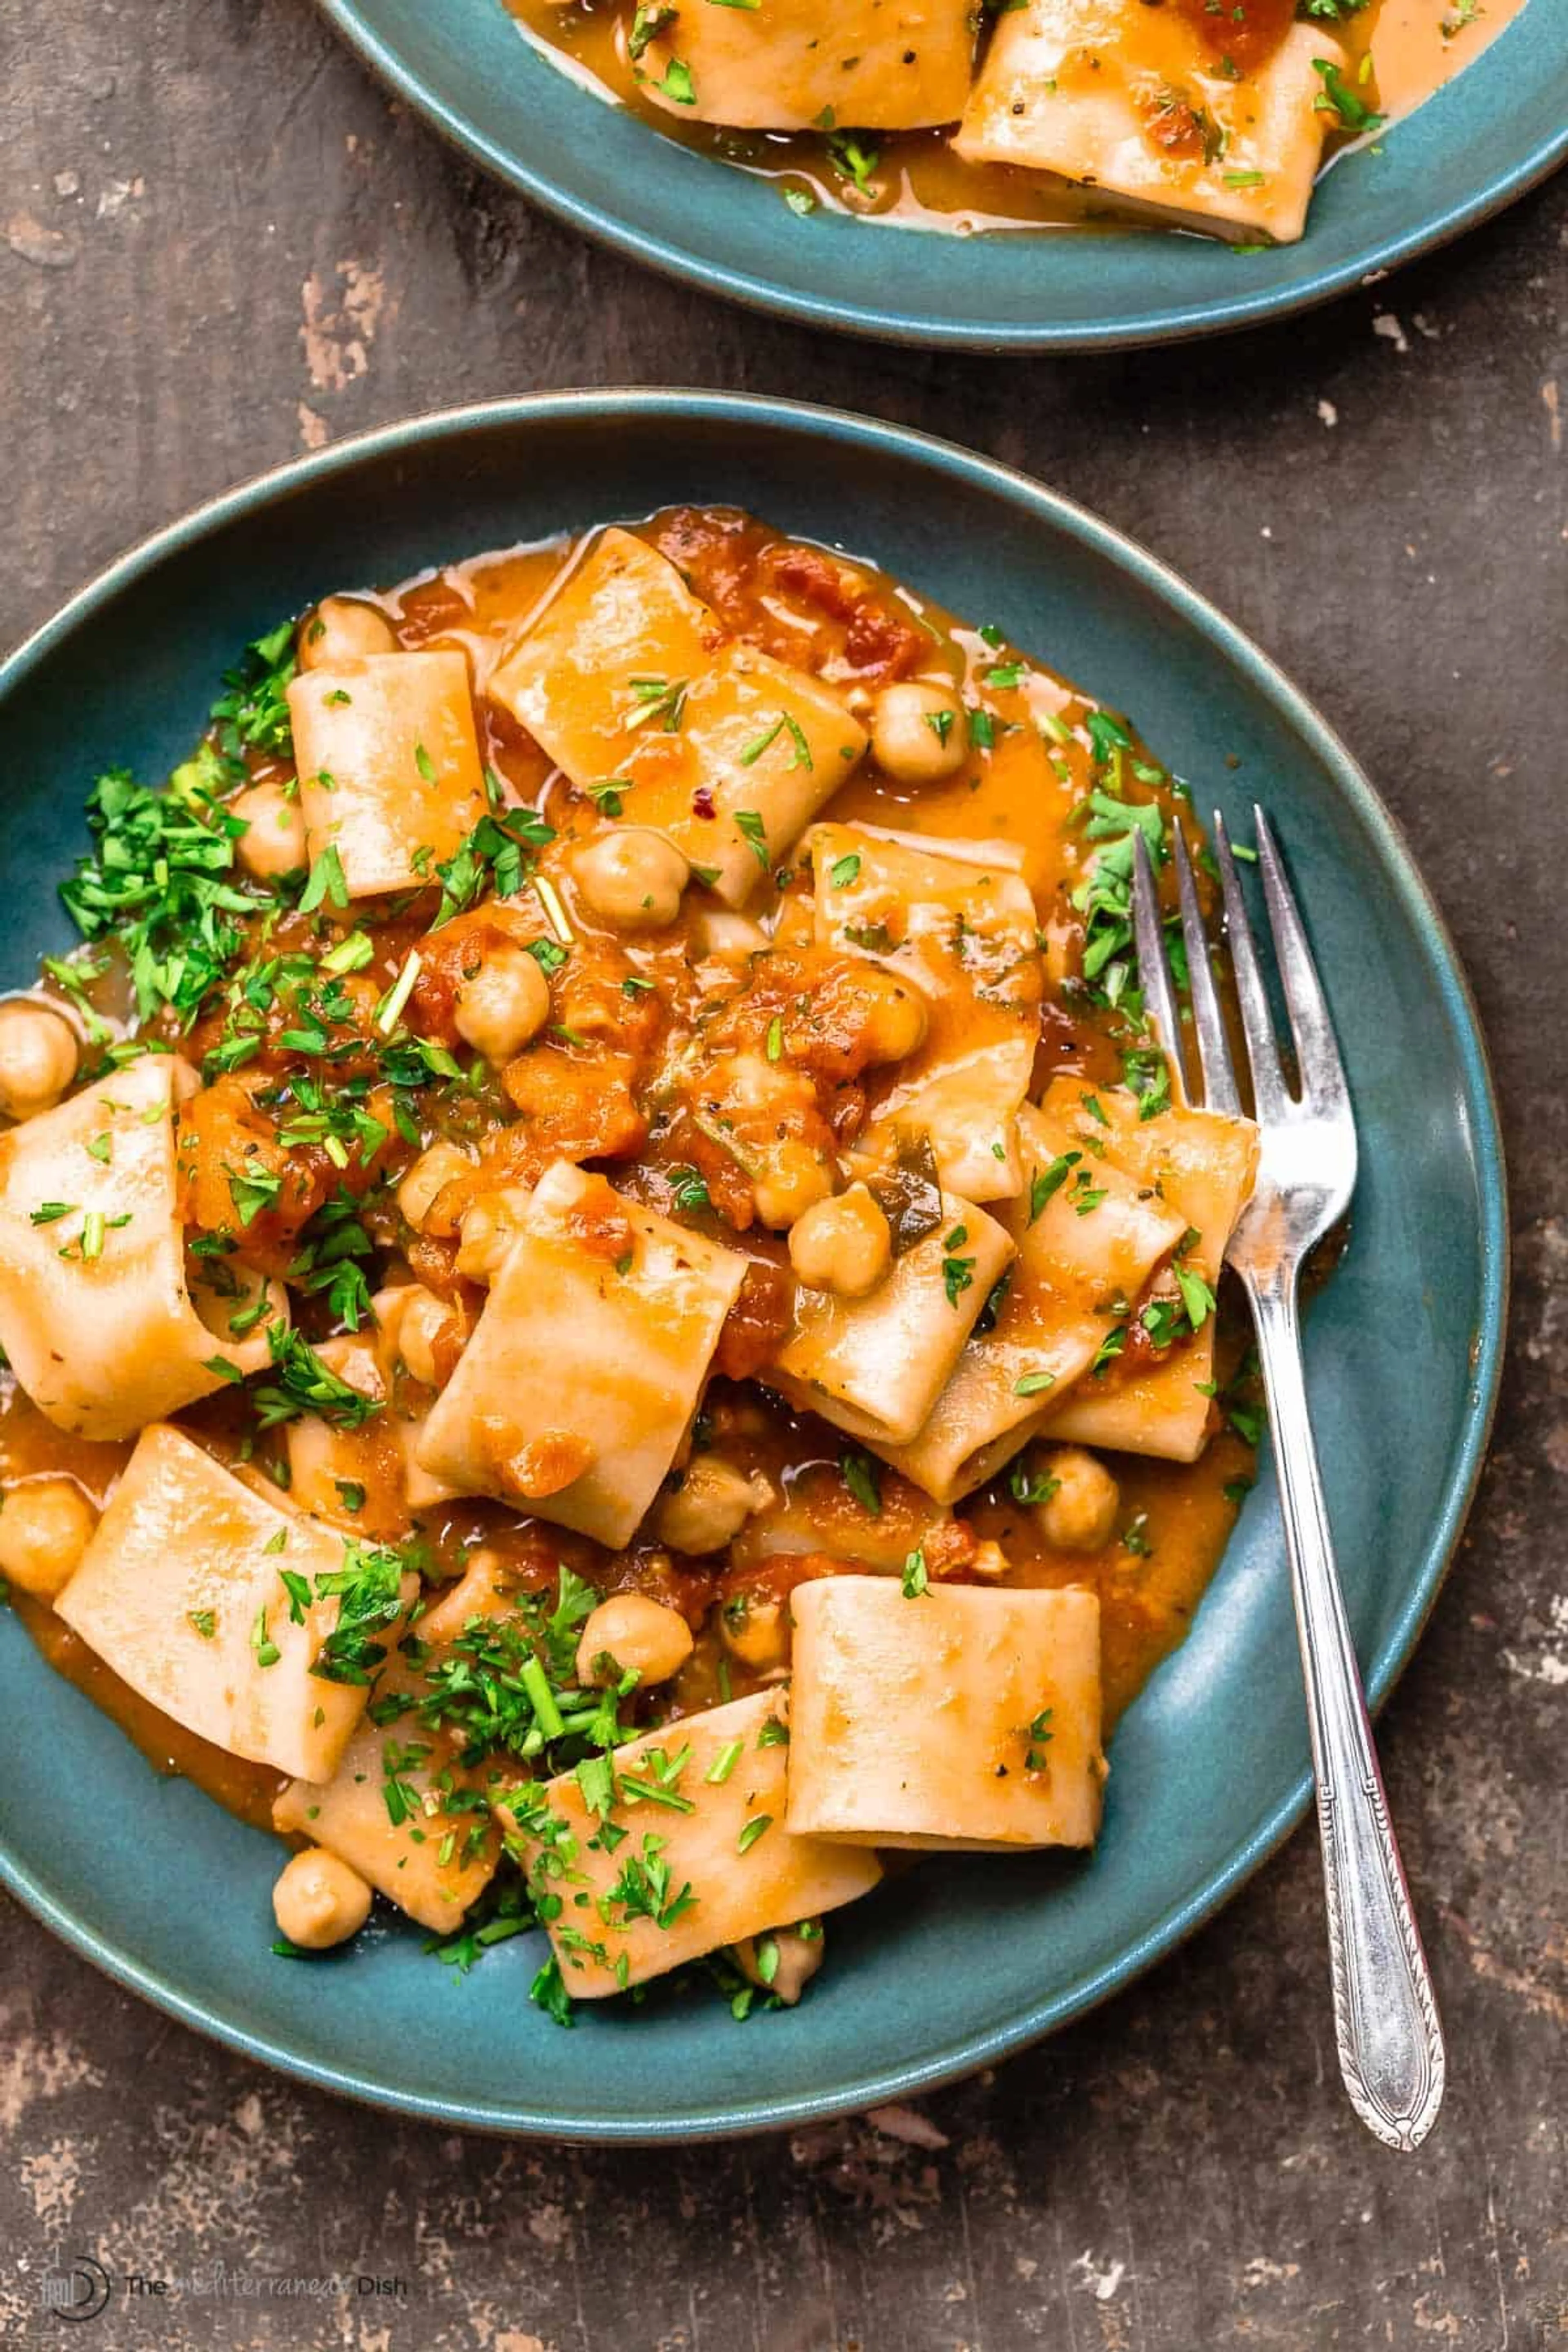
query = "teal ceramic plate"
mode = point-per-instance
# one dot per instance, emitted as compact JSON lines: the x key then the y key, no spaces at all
{"x":959,"y":1961}
{"x":1491,"y":134}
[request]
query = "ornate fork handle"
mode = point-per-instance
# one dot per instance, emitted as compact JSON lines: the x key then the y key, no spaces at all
{"x":1386,"y":2017}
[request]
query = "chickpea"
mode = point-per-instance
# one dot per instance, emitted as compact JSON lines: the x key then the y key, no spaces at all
{"x":434,"y":1170}
{"x":505,"y":1004}
{"x":484,"y":1589}
{"x":274,"y":840}
{"x":795,"y":1181}
{"x":712,"y":1503}
{"x":843,"y":1245}
{"x":719,"y":932}
{"x":341,"y":629}
{"x":754,"y":1631}
{"x":490,"y":1226}
{"x":782,"y":1961}
{"x":896,"y":1021}
{"x":633,"y":878}
{"x":634,"y":1633}
{"x":919,"y":732}
{"x":1079,"y":1513}
{"x":46,"y":1526}
{"x":38,"y":1056}
{"x":319,"y":1901}
{"x":423,"y":1321}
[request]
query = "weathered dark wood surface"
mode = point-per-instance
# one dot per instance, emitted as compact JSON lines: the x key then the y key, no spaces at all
{"x":221,"y":245}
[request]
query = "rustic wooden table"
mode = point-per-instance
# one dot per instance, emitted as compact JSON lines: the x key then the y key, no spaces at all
{"x":222,"y":245}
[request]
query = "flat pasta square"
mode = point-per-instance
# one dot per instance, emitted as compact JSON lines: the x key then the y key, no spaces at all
{"x":1135,"y":100}
{"x":575,"y":1392}
{"x":398,"y":1814}
{"x":875,"y":1366}
{"x":760,"y":748}
{"x":963,"y":1717}
{"x":1089,"y":1236}
{"x":702,"y":1861}
{"x":879,"y":65}
{"x":957,"y":921}
{"x":98,"y":1313}
{"x":619,"y":636}
{"x":625,"y":673}
{"x":1203,"y":1166}
{"x":182,"y":1592}
{"x":389,"y":768}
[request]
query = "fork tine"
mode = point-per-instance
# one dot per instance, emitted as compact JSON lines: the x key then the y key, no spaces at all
{"x":1214,"y":1050}
{"x":1269,"y":1095}
{"x":1317,"y":1050}
{"x":1155,"y":965}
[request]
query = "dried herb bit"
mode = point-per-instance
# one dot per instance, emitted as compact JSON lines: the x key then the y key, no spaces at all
{"x":303,"y":1384}
{"x":911,"y":1197}
{"x":863,"y":1479}
{"x":1040,"y":1740}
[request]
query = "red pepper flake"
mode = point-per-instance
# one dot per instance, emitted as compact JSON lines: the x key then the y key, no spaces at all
{"x":702,"y":803}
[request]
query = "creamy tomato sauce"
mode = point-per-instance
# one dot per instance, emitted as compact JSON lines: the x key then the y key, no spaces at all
{"x":1402,"y":52}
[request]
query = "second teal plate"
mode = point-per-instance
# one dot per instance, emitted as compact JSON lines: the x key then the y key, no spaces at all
{"x":1483,"y":140}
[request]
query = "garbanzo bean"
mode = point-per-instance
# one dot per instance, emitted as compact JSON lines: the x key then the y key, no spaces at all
{"x":319,"y":1901}
{"x":341,"y":629}
{"x":783,"y":1960}
{"x":274,"y":840}
{"x":919,"y":732}
{"x":38,"y":1056}
{"x":440,"y":1165}
{"x":843,"y":1245}
{"x":795,"y":1182}
{"x":632,"y":878}
{"x":1080,"y":1515}
{"x":754,"y":1631}
{"x":490,"y":1226}
{"x":505,"y":1004}
{"x":636,"y":1634}
{"x":712,"y":1503}
{"x":46,"y":1525}
{"x":896,"y":1018}
{"x":422,"y":1318}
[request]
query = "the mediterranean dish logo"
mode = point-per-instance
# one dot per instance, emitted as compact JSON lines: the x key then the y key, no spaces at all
{"x":75,"y":2287}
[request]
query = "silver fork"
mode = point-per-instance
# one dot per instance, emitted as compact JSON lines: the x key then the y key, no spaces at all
{"x":1385,"y":2016}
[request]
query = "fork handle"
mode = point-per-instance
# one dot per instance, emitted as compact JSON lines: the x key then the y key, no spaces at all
{"x":1385,"y":2015}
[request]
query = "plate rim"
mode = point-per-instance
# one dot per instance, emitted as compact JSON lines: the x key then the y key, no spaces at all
{"x":1155,"y":576}
{"x":1188,"y":323}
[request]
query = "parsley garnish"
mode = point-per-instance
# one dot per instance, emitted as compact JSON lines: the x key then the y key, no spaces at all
{"x":862,"y":1477}
{"x":957,"y":1273}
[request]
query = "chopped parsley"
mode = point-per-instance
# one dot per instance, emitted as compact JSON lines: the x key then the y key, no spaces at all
{"x":957,"y":1273}
{"x":863,"y":1479}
